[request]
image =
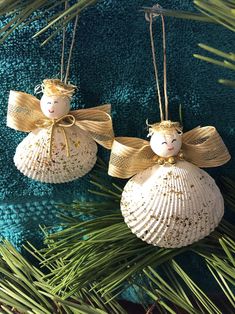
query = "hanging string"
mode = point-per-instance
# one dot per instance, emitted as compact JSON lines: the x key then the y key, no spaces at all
{"x":155,"y":65}
{"x":71,"y":49}
{"x":63,"y":47}
{"x":164,"y":66}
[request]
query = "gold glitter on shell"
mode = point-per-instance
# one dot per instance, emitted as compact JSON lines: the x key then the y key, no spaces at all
{"x":172,"y":206}
{"x":32,"y":155}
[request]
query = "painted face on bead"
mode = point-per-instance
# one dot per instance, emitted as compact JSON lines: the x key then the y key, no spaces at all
{"x":55,"y":107}
{"x":165,"y":143}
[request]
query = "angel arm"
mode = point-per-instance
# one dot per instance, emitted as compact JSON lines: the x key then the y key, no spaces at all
{"x":204,"y":147}
{"x":97,"y":122}
{"x":23,"y":111}
{"x":129,"y":156}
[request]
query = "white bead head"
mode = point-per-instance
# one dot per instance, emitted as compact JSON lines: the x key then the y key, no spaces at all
{"x":55,"y":107}
{"x":55,"y":102}
{"x":165,"y":141}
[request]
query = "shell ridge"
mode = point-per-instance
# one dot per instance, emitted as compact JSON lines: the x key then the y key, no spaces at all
{"x":37,"y":165}
{"x":172,"y":206}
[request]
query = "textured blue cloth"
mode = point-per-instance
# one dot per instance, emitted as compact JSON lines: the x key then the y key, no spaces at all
{"x":111,"y":64}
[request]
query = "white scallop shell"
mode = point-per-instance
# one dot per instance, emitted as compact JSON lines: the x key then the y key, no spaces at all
{"x":172,"y":205}
{"x":33,"y":160}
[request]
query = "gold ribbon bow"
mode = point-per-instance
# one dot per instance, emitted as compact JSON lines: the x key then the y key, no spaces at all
{"x":201,"y":146}
{"x":52,"y":123}
{"x":24,"y":114}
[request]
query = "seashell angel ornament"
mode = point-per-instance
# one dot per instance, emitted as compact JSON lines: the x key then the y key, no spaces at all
{"x":169,"y":201}
{"x":61,"y":145}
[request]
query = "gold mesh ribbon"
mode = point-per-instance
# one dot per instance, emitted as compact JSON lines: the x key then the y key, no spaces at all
{"x":24,"y":114}
{"x":204,"y":147}
{"x":201,"y":146}
{"x":129,"y":156}
{"x":23,"y":111}
{"x":97,"y":122}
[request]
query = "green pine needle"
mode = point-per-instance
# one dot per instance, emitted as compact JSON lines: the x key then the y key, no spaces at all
{"x":221,"y":11}
{"x":179,"y":14}
{"x":229,"y":83}
{"x":22,"y":287}
{"x":224,"y":63}
{"x":23,"y":13}
{"x":229,"y":56}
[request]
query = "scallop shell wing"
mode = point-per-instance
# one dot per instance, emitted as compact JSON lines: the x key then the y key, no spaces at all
{"x":172,"y":206}
{"x":33,"y":160}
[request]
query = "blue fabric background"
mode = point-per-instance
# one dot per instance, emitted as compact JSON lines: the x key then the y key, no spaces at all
{"x":111,"y":64}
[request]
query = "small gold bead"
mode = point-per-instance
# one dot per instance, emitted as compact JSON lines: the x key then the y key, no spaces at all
{"x":155,"y":158}
{"x":161,"y":161}
{"x":181,"y":156}
{"x":171,"y":160}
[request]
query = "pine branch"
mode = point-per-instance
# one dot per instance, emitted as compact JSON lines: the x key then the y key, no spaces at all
{"x":167,"y":289}
{"x":22,"y":13}
{"x":23,"y":289}
{"x":221,"y":11}
{"x":81,"y":244}
{"x":103,"y":249}
{"x":178,"y":14}
{"x":87,"y":265}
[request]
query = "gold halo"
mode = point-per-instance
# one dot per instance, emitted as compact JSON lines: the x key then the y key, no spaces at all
{"x":55,"y":87}
{"x":165,"y":126}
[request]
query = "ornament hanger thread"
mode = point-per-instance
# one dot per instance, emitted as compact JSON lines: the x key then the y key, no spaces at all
{"x":70,"y":50}
{"x":149,"y":17}
{"x":63,"y":47}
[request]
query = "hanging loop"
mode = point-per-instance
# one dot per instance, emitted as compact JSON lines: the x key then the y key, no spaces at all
{"x":149,"y":17}
{"x":154,"y":15}
{"x":65,"y":77}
